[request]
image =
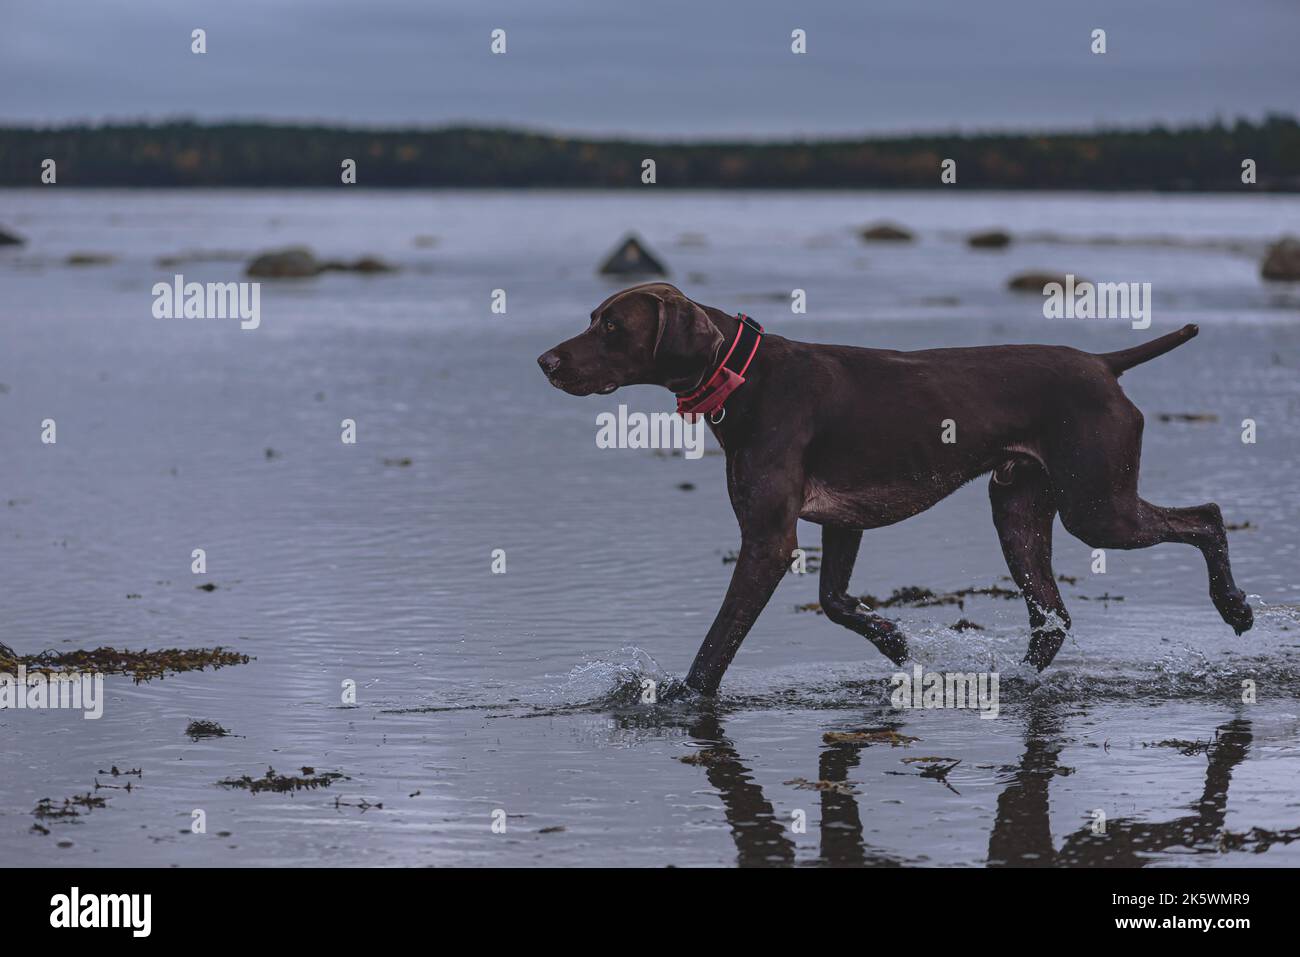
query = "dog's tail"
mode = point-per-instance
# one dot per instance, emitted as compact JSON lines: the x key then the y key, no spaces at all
{"x":1128,"y":358}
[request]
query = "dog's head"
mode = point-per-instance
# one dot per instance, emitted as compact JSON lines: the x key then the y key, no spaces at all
{"x":648,"y":334}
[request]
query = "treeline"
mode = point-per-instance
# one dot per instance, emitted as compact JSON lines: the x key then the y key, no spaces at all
{"x":177,"y":154}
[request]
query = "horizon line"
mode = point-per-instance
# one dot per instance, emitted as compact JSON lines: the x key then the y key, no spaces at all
{"x":1214,"y":122}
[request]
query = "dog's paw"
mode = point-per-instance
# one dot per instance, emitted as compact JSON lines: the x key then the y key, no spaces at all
{"x":1236,"y":611}
{"x":889,"y":641}
{"x":1043,"y":646}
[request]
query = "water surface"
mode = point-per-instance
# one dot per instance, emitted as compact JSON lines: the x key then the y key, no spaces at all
{"x":520,"y":692}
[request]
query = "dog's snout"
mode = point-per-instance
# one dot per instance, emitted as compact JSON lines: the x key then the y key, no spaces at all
{"x":549,"y":361}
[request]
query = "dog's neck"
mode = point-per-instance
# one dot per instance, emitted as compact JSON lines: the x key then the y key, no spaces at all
{"x":688,"y":374}
{"x":729,"y":327}
{"x":738,"y":345}
{"x":725,"y":323}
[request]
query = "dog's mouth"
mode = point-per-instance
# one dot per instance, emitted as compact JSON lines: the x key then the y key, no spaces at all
{"x":581,"y":388}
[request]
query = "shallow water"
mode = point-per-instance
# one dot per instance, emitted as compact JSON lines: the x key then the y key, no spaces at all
{"x":520,"y":692}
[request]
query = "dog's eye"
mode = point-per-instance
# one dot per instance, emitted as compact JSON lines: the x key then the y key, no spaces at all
{"x":609,"y":326}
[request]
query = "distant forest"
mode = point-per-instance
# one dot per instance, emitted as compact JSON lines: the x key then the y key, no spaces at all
{"x":177,"y":154}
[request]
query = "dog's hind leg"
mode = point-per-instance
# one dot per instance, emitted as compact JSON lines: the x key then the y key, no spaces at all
{"x":839,"y":552}
{"x":1136,"y":523}
{"x":1023,"y":511}
{"x":1101,"y":507}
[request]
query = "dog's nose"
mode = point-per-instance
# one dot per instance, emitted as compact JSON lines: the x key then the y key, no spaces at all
{"x":549,"y":361}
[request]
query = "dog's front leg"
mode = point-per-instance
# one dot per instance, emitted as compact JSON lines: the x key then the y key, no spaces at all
{"x":765,"y":493}
{"x":762,"y":563}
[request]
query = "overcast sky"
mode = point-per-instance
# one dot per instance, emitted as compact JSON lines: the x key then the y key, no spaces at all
{"x":654,"y":67}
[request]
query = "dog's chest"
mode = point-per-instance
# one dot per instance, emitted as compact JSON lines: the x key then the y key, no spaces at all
{"x":822,"y":504}
{"x":869,"y":507}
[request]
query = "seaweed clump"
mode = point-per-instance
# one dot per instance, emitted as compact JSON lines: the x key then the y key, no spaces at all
{"x":879,"y":736}
{"x":141,"y":665}
{"x":71,"y":809}
{"x":1188,"y":748}
{"x":933,"y":767}
{"x":706,"y":757}
{"x":308,"y":780}
{"x":835,"y":787}
{"x":205,"y":729}
{"x":47,"y":809}
{"x":917,"y":596}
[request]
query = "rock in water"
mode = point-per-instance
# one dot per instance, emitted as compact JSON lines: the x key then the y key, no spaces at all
{"x":1283,"y":260}
{"x":886,"y":233}
{"x":9,"y":239}
{"x":295,"y":262}
{"x":990,"y":239}
{"x":1035,"y":281}
{"x":371,"y":264}
{"x":89,"y":259}
{"x":366,"y":264}
{"x":632,"y":259}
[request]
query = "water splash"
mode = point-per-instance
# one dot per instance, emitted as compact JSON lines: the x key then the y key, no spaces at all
{"x":629,"y":677}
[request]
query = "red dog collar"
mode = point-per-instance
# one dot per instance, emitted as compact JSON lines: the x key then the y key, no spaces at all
{"x":728,"y":376}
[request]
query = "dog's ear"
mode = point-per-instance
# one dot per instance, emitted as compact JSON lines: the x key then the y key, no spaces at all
{"x":686,"y":341}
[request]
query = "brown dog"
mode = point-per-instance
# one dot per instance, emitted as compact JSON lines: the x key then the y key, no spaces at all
{"x":853,"y":438}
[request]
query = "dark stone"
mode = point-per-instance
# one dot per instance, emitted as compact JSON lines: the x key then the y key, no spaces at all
{"x":1282,"y":264}
{"x":89,"y":259}
{"x":1035,"y":281}
{"x":295,"y":262}
{"x":366,"y":264}
{"x":990,"y":239}
{"x":886,"y":233}
{"x":632,"y":259}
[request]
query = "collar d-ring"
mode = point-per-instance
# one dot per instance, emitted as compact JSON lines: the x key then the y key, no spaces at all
{"x":722,"y":414}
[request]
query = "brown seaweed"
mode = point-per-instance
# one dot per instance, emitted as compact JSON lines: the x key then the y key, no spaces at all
{"x":835,"y":787}
{"x":205,"y":729}
{"x":310,"y":779}
{"x":141,"y":665}
{"x":877,"y":736}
